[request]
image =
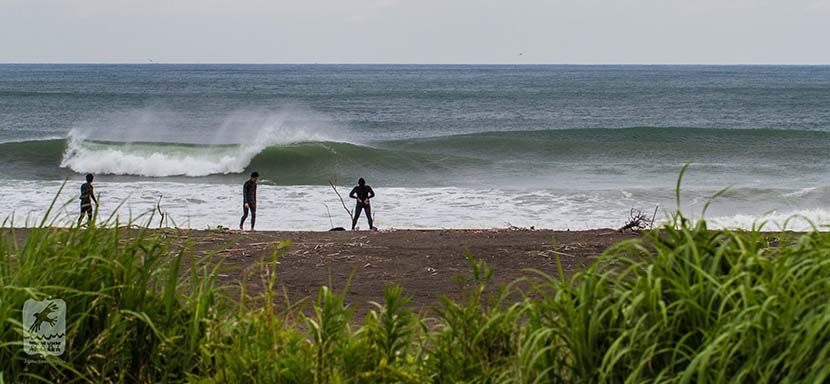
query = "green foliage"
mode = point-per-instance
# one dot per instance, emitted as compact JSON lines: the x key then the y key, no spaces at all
{"x":682,"y":304}
{"x":130,"y":317}
{"x":477,"y":339}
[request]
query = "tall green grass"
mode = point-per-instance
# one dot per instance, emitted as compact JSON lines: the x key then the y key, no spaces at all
{"x":681,"y":304}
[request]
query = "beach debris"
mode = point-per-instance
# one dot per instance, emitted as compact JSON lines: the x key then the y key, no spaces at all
{"x":163,"y":219}
{"x":331,"y":183}
{"x":653,"y":217}
{"x":639,"y":221}
{"x":515,"y":228}
{"x":333,"y":228}
{"x":367,"y":265}
{"x":329,"y":213}
{"x":261,"y":243}
{"x":322,"y":245}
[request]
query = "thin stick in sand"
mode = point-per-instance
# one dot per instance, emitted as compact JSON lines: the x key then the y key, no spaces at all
{"x":351,"y":215}
{"x":329,"y":213}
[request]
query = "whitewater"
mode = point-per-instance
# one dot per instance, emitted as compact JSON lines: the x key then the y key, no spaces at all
{"x":317,"y":208}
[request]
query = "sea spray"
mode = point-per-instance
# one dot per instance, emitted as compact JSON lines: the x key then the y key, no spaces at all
{"x":151,"y":152}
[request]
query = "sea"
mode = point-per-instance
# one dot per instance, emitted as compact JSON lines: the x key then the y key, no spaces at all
{"x":443,"y":146}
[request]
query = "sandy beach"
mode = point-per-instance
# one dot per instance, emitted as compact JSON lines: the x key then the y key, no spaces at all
{"x":423,"y":262}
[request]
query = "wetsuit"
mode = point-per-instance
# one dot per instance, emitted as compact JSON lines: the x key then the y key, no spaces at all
{"x":87,"y":195}
{"x":248,"y":197}
{"x":362,"y":193}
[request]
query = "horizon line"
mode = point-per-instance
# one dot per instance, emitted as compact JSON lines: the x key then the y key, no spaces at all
{"x":403,"y":63}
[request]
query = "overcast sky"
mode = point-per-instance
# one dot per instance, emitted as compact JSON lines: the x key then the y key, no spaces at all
{"x":416,"y":31}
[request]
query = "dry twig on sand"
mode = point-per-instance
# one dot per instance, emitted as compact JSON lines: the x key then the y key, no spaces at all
{"x":639,"y":221}
{"x":162,"y":222}
{"x":329,"y":213}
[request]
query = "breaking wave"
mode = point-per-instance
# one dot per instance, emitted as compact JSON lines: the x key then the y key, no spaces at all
{"x":308,"y":157}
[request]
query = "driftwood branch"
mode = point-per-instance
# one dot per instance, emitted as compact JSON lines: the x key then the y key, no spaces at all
{"x":162,"y":215}
{"x":349,"y":211}
{"x":639,"y":221}
{"x":653,"y":217}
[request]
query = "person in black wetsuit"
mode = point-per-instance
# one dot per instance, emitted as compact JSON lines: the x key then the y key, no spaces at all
{"x":249,"y":200}
{"x":87,"y":197}
{"x":362,"y":193}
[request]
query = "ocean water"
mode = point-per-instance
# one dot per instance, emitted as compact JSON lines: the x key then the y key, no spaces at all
{"x":563,"y":147}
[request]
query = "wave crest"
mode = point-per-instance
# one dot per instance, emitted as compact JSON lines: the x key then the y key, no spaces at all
{"x":164,"y":159}
{"x":154,"y":160}
{"x":307,"y":155}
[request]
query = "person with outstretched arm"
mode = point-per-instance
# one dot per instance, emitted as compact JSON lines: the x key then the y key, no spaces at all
{"x":249,"y":200}
{"x":87,"y":197}
{"x":362,"y":193}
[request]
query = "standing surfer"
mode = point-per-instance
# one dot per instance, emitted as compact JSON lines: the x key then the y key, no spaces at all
{"x":87,"y":197}
{"x":362,"y":193}
{"x":249,"y":200}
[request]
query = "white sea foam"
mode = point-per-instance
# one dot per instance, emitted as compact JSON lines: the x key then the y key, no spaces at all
{"x":199,"y":205}
{"x":31,"y":139}
{"x":128,"y":159}
{"x":792,"y":220}
{"x":800,"y":193}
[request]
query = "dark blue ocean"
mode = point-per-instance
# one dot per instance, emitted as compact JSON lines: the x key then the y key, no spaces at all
{"x":445,"y":146}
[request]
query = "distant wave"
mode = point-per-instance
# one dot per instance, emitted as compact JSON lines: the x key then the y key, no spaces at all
{"x":26,"y":140}
{"x":299,"y":157}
